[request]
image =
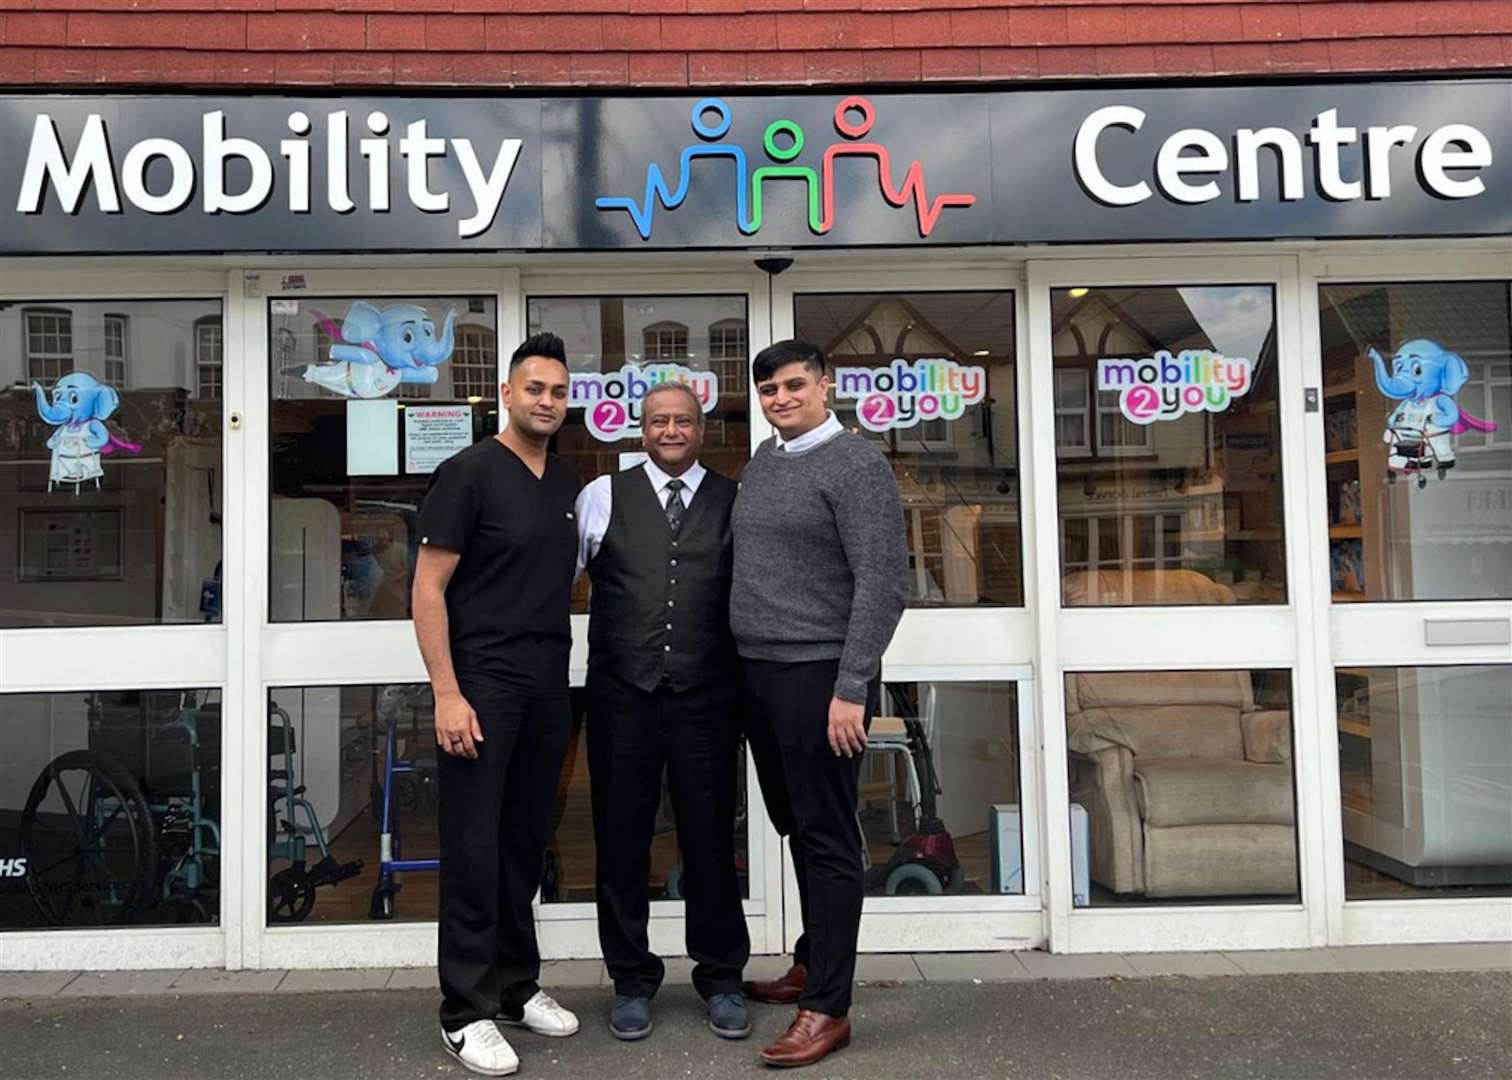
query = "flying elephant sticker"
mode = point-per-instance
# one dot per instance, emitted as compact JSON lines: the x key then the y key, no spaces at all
{"x":1424,"y":377}
{"x":375,"y":350}
{"x":77,"y":409}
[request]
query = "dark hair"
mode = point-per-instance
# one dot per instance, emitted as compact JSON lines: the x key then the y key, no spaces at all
{"x":780,"y":354}
{"x":547,"y":345}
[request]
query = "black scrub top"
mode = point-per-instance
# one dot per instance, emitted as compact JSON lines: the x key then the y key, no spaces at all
{"x":508,"y":603}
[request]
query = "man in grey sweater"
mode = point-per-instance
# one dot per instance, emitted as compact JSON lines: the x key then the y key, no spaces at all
{"x":820,"y":582}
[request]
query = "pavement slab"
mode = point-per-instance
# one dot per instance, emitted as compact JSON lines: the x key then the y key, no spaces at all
{"x":1197,"y":965}
{"x":322,"y":981}
{"x":1370,"y":1025}
{"x":971,"y":967}
{"x":1043,"y":965}
{"x":120,"y":983}
{"x":29,"y":984}
{"x":215,"y":981}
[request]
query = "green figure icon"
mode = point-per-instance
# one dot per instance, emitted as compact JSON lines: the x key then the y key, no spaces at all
{"x":784,"y":172}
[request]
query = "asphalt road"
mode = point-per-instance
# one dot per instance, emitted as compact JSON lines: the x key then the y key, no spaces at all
{"x":1304,"y":1026}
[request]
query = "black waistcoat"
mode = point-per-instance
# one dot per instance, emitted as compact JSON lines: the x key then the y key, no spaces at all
{"x":660,"y":613}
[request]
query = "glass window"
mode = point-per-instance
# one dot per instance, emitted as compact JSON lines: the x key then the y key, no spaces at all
{"x":602,"y":334}
{"x":360,"y":752}
{"x":49,"y":344}
{"x":1425,"y":777}
{"x":929,"y":377}
{"x":209,"y":358}
{"x":110,"y":808}
{"x":351,"y":455}
{"x":110,"y":497}
{"x":729,"y":355}
{"x":115,"y":351}
{"x":939,"y":801}
{"x":1181,"y":787}
{"x":665,"y":341}
{"x":1174,"y":463}
{"x":1417,"y":425}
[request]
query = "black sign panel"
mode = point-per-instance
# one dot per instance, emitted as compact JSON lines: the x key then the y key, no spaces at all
{"x":163,"y":174}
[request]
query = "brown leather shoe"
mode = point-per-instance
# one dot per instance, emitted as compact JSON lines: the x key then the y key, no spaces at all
{"x":811,"y":1037}
{"x":780,"y":991}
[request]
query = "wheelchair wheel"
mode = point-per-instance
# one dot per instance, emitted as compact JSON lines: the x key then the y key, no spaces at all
{"x":291,"y":895}
{"x":87,"y":835}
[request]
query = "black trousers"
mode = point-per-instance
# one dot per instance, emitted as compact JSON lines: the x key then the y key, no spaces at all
{"x":811,"y":798}
{"x":694,"y":735}
{"x":495,"y":819}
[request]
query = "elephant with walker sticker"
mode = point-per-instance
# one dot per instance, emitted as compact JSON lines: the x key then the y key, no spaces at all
{"x":78,"y":408}
{"x":376,"y":350}
{"x":1424,"y":377}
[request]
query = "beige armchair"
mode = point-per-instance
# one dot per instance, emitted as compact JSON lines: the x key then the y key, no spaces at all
{"x":1187,"y":784}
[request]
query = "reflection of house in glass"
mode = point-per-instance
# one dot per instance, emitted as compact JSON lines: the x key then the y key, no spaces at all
{"x":958,"y":478}
{"x":89,"y":554}
{"x":1177,"y":511}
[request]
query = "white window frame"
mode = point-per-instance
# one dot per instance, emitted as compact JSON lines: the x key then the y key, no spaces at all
{"x":1082,"y":449}
{"x":210,"y":358}
{"x":56,"y":363}
{"x":113,"y":365}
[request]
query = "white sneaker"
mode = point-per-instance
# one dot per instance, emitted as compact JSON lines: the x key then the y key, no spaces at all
{"x":481,"y":1048}
{"x":545,"y":1017}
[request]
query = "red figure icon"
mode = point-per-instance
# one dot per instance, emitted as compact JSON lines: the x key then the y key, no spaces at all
{"x":913,"y":180}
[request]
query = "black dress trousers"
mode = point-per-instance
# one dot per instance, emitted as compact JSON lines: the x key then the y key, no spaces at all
{"x":495,"y":816}
{"x":633,"y":735}
{"x":810,"y":796}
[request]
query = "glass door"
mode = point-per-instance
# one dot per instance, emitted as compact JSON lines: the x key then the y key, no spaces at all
{"x":948,"y":804}
{"x":704,"y":328}
{"x":1178,"y":708}
{"x":359,"y":385}
{"x":1412,"y":528}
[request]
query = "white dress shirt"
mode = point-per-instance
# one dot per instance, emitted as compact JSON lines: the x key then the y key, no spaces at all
{"x":810,"y":439}
{"x":595,"y":505}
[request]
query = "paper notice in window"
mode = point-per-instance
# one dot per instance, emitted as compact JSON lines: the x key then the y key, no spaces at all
{"x":433,"y":433}
{"x":372,"y":437}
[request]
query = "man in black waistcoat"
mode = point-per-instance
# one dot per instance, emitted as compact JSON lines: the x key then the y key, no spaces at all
{"x":662,"y":694}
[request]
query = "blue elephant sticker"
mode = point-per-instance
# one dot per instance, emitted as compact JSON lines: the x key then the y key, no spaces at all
{"x":1424,"y":376}
{"x":77,"y":410}
{"x":376,"y":350}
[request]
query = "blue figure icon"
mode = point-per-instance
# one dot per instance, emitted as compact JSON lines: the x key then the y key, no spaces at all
{"x":80,"y":403}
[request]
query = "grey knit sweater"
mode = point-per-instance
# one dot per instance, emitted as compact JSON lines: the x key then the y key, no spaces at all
{"x":821,"y":558}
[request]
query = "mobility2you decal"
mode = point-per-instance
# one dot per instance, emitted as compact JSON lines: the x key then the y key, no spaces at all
{"x":611,"y":401}
{"x":903,"y":393}
{"x":1167,"y":387}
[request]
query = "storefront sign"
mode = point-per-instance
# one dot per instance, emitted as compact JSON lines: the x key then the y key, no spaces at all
{"x":905,"y":393}
{"x":433,"y":433}
{"x":1166,"y":387}
{"x":611,"y":401}
{"x":258,"y":173}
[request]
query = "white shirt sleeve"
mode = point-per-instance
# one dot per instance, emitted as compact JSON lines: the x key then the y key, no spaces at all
{"x":595,"y":503}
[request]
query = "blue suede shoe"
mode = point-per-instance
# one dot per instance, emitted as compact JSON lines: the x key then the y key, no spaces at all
{"x":728,"y":1017}
{"x":630,"y":1019}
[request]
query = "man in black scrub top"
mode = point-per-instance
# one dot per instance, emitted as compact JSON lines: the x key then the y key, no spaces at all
{"x":491,"y":600}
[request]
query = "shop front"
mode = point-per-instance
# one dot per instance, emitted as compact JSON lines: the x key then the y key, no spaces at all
{"x":1199,"y":399}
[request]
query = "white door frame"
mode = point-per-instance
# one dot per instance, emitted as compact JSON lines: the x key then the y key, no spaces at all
{"x":1176,"y":638}
{"x":965,"y":644}
{"x":140,"y":657}
{"x":1386,"y":634}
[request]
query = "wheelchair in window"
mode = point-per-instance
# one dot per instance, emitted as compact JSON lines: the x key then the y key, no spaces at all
{"x":126,"y":830}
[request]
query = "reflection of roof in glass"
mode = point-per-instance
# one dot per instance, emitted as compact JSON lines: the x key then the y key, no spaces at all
{"x":1470,"y":317}
{"x":969,"y":321}
{"x":1158,"y":313}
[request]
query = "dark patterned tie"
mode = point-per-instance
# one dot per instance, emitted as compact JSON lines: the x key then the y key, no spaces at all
{"x":674,"y":504}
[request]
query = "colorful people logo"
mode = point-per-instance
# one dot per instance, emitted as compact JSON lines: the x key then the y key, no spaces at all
{"x":783,"y":141}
